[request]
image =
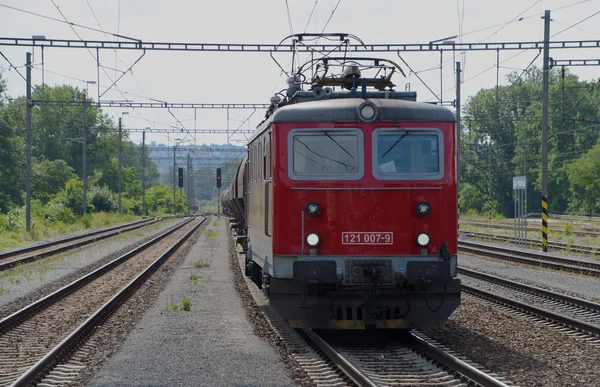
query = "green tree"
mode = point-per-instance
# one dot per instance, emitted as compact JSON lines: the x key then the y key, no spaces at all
{"x":501,"y":126}
{"x":12,"y":149}
{"x":584,"y":179}
{"x":49,"y":177}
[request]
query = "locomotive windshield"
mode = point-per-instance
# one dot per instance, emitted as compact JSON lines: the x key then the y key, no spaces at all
{"x":326,"y":154}
{"x":407,"y":154}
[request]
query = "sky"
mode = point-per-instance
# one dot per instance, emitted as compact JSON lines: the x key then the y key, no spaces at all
{"x":227,"y":77}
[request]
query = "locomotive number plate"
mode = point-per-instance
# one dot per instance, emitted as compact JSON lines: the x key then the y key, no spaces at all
{"x":367,"y":238}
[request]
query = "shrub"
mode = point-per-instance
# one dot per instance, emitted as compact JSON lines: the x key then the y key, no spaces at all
{"x":103,"y":199}
{"x":87,"y":220}
{"x":58,"y":212}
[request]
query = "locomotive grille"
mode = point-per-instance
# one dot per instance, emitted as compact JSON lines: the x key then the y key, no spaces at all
{"x":368,"y":271}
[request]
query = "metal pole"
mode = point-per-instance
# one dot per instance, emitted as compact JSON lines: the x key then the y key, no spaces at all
{"x":120,"y":155}
{"x":545,"y":131}
{"x":458,"y":131}
{"x":144,"y":173}
{"x":98,"y":72}
{"x":441,"y":75}
{"x":490,"y":171}
{"x":515,"y":215}
{"x":84,"y":155}
{"x":174,"y":180}
{"x":497,"y":78}
{"x":28,"y":146}
{"x":189,"y":168}
{"x":525,"y":174}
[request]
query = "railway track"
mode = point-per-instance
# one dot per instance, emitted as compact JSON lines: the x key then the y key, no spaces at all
{"x":580,"y":317}
{"x":377,"y":358}
{"x":560,"y":246}
{"x":583,"y":231}
{"x":531,"y":258}
{"x":12,"y":258}
{"x":371,"y":358}
{"x":37,"y":338}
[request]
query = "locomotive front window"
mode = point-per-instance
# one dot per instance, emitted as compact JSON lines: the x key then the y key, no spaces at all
{"x":407,"y":154}
{"x":326,"y":154}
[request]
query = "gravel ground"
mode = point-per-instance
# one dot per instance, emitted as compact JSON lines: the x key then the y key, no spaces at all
{"x":524,"y":352}
{"x":568,"y":283}
{"x":211,"y":345}
{"x":253,"y":300}
{"x":31,"y":281}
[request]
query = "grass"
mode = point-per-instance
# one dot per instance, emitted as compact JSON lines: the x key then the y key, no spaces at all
{"x":41,"y":229}
{"x":210,"y":233}
{"x":195,"y":278}
{"x":186,"y":304}
{"x":172,"y":306}
{"x":199,"y":264}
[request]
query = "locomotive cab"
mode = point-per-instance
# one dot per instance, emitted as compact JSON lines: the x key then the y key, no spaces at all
{"x":352,"y":208}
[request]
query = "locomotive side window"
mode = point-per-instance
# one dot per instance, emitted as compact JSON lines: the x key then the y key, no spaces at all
{"x":335,"y":154}
{"x":408,"y":154}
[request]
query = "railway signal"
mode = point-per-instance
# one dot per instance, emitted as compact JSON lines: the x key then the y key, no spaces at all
{"x":180,"y":177}
{"x":218,"y":177}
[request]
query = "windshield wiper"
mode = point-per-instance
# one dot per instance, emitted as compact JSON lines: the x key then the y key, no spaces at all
{"x":338,"y":144}
{"x":323,"y":167}
{"x":396,"y":143}
{"x":349,"y":168}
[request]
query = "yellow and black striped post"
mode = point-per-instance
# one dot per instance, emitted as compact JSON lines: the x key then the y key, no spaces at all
{"x":489,"y":209}
{"x":544,"y":223}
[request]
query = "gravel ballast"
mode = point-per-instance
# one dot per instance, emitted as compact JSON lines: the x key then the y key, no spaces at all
{"x":33,"y":280}
{"x":568,"y":283}
{"x":212,"y":344}
{"x":524,"y":352}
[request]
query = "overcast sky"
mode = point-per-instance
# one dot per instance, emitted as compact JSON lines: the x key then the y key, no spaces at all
{"x":203,"y":77}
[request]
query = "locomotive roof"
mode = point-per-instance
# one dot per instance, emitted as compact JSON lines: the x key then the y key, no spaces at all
{"x":340,"y":110}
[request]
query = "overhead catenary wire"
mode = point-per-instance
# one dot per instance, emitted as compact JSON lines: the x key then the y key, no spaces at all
{"x":576,"y":24}
{"x":287,"y":6}
{"x":310,"y":16}
{"x":18,"y":72}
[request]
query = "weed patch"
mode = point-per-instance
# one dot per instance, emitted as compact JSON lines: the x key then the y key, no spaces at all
{"x":201,"y":263}
{"x":173,"y":306}
{"x":186,"y":304}
{"x":195,"y":278}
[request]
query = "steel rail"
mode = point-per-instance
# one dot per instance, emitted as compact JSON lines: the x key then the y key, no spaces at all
{"x":58,"y":250}
{"x":340,"y":361}
{"x":570,"y":322}
{"x":80,"y":334}
{"x":39,"y":246}
{"x":531,"y":258}
{"x":531,"y":289}
{"x":584,"y":231}
{"x":9,"y":321}
{"x":590,"y":250}
{"x":454,"y":363}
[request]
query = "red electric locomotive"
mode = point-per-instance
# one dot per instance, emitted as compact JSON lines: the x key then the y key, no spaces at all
{"x":349,"y":202}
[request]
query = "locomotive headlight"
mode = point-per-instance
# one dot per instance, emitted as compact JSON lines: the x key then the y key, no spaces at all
{"x":313,"y":240}
{"x":312,"y":209}
{"x":367,"y":112}
{"x":423,"y":209}
{"x":423,"y":239}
